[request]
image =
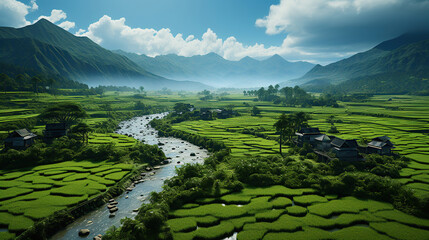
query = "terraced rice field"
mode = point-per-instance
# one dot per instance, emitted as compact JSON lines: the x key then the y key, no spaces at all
{"x":405,"y":119}
{"x":278,"y":212}
{"x":30,"y":195}
{"x":111,"y":138}
{"x":240,"y":144}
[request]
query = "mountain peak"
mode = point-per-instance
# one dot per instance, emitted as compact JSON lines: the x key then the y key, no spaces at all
{"x":248,"y":59}
{"x":275,"y":58}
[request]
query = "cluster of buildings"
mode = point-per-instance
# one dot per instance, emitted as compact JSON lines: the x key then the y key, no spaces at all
{"x":23,"y":138}
{"x":345,"y":150}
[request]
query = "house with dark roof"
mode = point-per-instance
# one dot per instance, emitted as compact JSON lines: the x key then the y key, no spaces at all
{"x":20,"y":139}
{"x":54,"y":130}
{"x":345,"y":150}
{"x":307,"y":135}
{"x":380,"y":145}
{"x":323,"y":142}
{"x":206,"y":114}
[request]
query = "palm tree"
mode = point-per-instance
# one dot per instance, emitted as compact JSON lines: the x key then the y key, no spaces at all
{"x":283,"y":126}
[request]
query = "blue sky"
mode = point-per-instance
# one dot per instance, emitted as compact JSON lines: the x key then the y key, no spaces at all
{"x":225,"y":17}
{"x":319,"y":31}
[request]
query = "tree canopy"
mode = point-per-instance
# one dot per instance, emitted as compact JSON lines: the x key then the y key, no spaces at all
{"x":68,"y":113}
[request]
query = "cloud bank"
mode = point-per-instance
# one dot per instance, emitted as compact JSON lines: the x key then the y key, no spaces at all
{"x":13,"y":13}
{"x":327,"y":26}
{"x":115,"y":34}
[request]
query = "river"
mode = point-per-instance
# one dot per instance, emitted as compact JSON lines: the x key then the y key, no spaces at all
{"x":178,"y":150}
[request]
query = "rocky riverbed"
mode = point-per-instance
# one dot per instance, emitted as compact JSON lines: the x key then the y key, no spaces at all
{"x":177,"y":151}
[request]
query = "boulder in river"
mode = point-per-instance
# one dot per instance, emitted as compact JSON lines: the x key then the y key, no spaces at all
{"x":129,"y":189}
{"x":114,"y":203}
{"x":111,"y":200}
{"x":112,"y":215}
{"x":112,"y":210}
{"x":148,"y":169}
{"x":192,"y":154}
{"x":84,"y":232}
{"x":135,"y":210}
{"x":156,"y":167}
{"x":110,"y":206}
{"x":98,"y":237}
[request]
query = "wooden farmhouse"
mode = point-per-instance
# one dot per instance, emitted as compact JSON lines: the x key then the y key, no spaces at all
{"x":307,"y":135}
{"x":345,"y":150}
{"x":380,"y":145}
{"x":20,"y":139}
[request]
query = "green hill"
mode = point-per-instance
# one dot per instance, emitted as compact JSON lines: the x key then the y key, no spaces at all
{"x":404,"y":61}
{"x":48,"y":48}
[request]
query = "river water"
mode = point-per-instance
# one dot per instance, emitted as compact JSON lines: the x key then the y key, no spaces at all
{"x":178,"y":150}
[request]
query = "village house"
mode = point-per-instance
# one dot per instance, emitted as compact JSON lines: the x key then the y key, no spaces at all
{"x":20,"y":139}
{"x":380,"y":145}
{"x":54,"y":130}
{"x":323,"y":143}
{"x":307,"y":135}
{"x":206,"y":114}
{"x":345,"y":150}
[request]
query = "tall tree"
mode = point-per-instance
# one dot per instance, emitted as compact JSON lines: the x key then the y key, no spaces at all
{"x":68,"y":113}
{"x":300,"y":120}
{"x":255,"y":111}
{"x":83,"y":130}
{"x":6,"y":82}
{"x":284,"y":126}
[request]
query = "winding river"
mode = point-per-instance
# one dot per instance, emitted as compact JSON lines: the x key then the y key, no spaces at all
{"x":178,"y":150}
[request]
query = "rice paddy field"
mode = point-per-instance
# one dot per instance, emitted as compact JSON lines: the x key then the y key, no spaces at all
{"x":278,"y":212}
{"x":32,"y":194}
{"x":405,"y":119}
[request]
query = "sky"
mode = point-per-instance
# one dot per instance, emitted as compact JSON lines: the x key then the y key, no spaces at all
{"x":318,"y":31}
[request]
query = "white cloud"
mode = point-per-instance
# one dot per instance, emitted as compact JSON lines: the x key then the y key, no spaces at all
{"x":115,"y":34}
{"x":12,"y":13}
{"x":34,"y":5}
{"x":67,"y":25}
{"x":343,"y":26}
{"x":56,"y":15}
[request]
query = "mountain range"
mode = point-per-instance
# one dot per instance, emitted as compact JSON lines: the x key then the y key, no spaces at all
{"x":47,"y":48}
{"x":216,"y":71}
{"x":398,"y":65}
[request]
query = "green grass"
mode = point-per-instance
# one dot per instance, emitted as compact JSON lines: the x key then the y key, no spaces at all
{"x":20,"y":224}
{"x":182,"y":224}
{"x":401,"y":217}
{"x":347,"y":205}
{"x":400,"y":231}
{"x":215,"y":210}
{"x":33,"y":195}
{"x":296,"y":210}
{"x":260,"y":219}
{"x":309,"y":200}
{"x":281,"y":202}
{"x":269,"y":216}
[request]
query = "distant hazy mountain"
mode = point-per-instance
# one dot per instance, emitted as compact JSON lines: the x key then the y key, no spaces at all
{"x":46,"y":47}
{"x":399,"y":60}
{"x":214,"y":70}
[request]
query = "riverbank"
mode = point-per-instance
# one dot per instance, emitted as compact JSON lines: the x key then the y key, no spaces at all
{"x":178,"y":152}
{"x":50,"y":225}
